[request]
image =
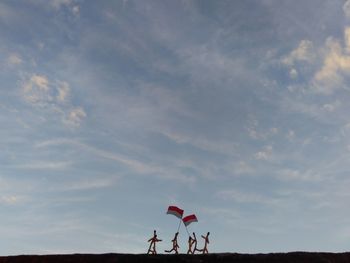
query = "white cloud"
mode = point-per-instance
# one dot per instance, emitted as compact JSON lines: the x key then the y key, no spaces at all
{"x":252,"y":128}
{"x":40,"y":81}
{"x":253,"y":133}
{"x":293,"y":73}
{"x":336,"y":65}
{"x":54,"y":97}
{"x":328,"y":107}
{"x":63,"y":92}
{"x":265,"y":154}
{"x":70,"y":4}
{"x":75,"y":117}
{"x":10,"y":199}
{"x":257,"y":133}
{"x":36,"y":90}
{"x":14,"y":59}
{"x":328,"y":78}
{"x":331,"y":107}
{"x":76,"y":10}
{"x":304,"y":52}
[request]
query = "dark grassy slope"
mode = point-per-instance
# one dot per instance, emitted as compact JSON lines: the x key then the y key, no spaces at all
{"x":294,"y":257}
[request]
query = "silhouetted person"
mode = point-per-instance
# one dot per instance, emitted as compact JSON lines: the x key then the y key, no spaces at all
{"x":152,"y":245}
{"x":206,"y":242}
{"x":194,"y":243}
{"x":175,"y":245}
{"x":190,"y":243}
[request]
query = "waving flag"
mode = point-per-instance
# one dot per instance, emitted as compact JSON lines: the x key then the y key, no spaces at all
{"x":189,"y":219}
{"x":174,"y":210}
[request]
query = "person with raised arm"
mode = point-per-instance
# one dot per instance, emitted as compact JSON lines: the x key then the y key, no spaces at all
{"x":190,"y":243}
{"x":152,"y":245}
{"x":206,"y":242}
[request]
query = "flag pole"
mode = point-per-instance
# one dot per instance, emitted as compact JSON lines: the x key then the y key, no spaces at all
{"x":178,"y":228}
{"x":187,"y":231}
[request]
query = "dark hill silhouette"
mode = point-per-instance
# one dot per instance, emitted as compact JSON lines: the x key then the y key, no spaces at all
{"x":293,"y":257}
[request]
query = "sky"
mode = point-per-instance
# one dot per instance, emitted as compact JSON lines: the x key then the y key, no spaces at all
{"x":236,"y":111}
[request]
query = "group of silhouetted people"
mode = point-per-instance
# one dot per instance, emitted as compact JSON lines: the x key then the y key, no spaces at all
{"x":192,"y":244}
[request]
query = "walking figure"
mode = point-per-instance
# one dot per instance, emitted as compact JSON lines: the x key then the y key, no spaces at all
{"x":152,"y":245}
{"x":190,"y":244}
{"x":194,"y":243}
{"x":206,"y":242}
{"x":175,"y":245}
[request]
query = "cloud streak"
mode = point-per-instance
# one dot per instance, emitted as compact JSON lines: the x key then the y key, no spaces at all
{"x":141,"y":168}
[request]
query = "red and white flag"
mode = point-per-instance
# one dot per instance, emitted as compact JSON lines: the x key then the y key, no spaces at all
{"x":189,"y":219}
{"x":174,"y":210}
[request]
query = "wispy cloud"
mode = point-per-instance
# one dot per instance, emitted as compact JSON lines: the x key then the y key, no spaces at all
{"x":45,"y":165}
{"x":85,"y":183}
{"x":331,"y":107}
{"x":75,"y":117}
{"x":53,"y":96}
{"x":216,"y":146}
{"x":255,"y":131}
{"x":336,"y":63}
{"x":244,"y":197}
{"x":293,"y":174}
{"x":290,"y":135}
{"x":36,"y":90}
{"x":304,"y":53}
{"x":265,"y":154}
{"x":72,"y":5}
{"x":137,"y":166}
{"x":11,"y":199}
{"x":14,"y":59}
{"x":63,"y":92}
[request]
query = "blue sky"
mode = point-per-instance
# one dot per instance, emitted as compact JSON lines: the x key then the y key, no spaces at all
{"x":237,"y":111}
